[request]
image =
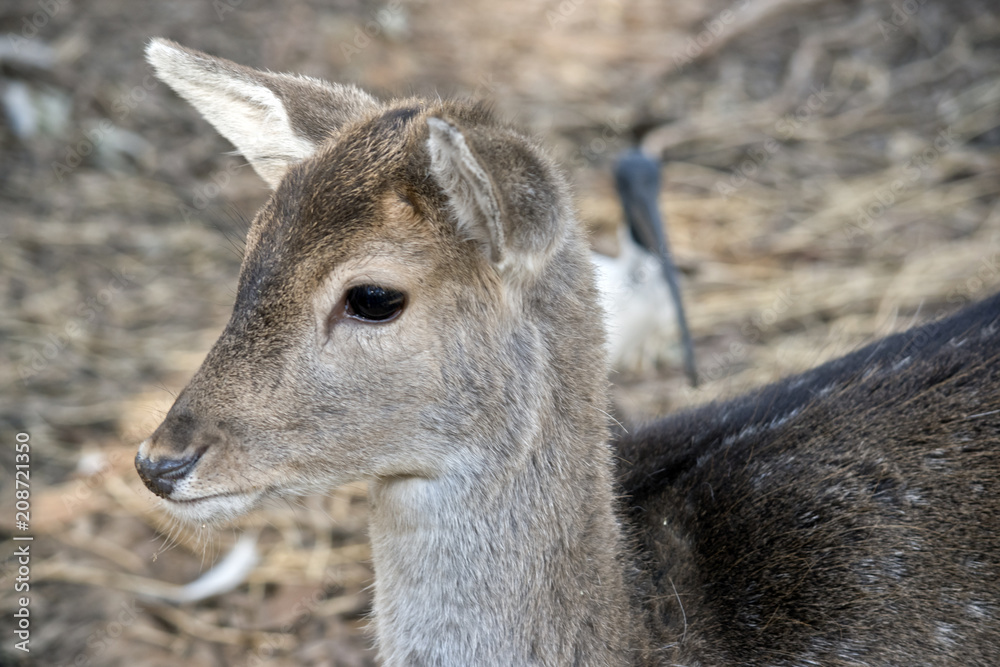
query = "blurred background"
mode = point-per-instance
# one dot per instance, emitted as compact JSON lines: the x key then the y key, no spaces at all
{"x":831,"y":174}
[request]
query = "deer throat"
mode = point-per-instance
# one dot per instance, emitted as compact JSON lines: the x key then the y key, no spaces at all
{"x":481,"y":569}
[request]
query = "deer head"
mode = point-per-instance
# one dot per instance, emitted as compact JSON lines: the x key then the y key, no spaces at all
{"x":394,"y":316}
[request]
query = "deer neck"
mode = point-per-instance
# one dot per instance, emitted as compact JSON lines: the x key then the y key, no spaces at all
{"x":522,"y":567}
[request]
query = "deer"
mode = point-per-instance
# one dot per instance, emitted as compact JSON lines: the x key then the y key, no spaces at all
{"x":416,"y":309}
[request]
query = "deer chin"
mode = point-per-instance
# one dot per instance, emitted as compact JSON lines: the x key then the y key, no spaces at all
{"x":216,"y":508}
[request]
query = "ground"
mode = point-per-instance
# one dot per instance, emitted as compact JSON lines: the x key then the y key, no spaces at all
{"x":831,"y":169}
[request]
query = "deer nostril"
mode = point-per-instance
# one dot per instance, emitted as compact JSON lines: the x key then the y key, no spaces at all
{"x":160,"y":475}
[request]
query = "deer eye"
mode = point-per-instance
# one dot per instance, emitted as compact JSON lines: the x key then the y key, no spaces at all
{"x":371,"y":303}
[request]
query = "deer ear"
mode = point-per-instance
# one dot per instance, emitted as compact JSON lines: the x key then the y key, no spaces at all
{"x":468,"y":187}
{"x":503,"y":192}
{"x":275,"y":120}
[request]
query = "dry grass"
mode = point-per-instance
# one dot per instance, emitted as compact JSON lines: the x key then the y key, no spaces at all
{"x":813,"y":202}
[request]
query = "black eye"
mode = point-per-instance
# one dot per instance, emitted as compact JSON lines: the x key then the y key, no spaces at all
{"x":373,"y":303}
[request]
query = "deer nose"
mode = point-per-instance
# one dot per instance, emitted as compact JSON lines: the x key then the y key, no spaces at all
{"x":160,"y":475}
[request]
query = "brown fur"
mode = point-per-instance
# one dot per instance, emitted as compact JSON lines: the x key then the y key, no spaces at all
{"x":844,"y":517}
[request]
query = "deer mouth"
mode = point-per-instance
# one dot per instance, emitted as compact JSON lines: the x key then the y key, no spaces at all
{"x":215,"y":507}
{"x":221,"y":494}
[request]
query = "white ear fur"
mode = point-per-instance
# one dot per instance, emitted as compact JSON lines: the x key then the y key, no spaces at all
{"x":243,"y":110}
{"x":468,"y":186}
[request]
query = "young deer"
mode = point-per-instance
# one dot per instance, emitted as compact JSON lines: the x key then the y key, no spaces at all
{"x":416,"y":308}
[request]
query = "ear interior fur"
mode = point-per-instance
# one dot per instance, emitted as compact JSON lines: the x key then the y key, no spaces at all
{"x":274,"y":120}
{"x":468,"y":186}
{"x":517,"y":220}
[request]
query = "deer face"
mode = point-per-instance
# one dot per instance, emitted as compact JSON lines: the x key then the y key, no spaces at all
{"x":379,"y":327}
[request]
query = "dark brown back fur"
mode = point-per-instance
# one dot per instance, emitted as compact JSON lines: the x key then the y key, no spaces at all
{"x":844,"y":516}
